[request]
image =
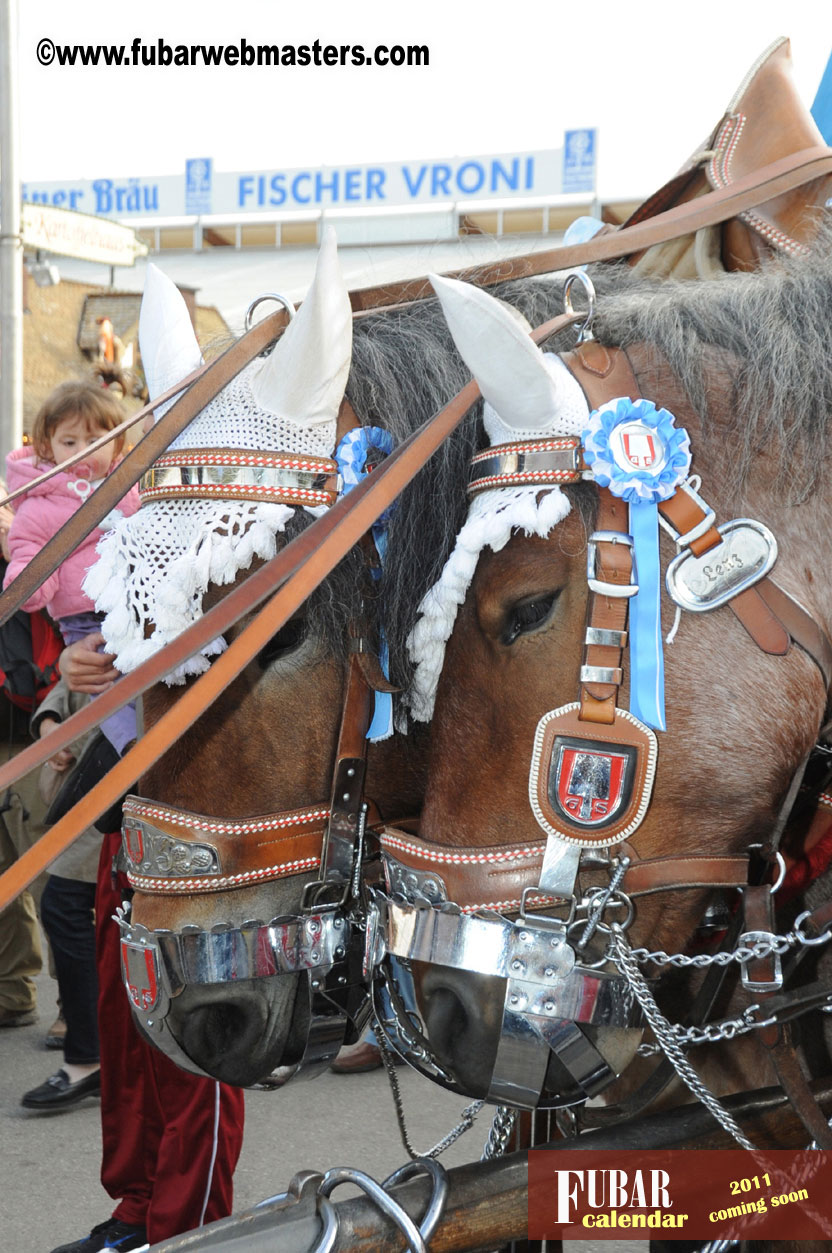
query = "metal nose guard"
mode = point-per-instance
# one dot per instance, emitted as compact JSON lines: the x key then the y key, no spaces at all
{"x":158,"y":965}
{"x":552,"y":1005}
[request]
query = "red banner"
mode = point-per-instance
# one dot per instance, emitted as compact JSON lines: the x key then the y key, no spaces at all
{"x":680,"y":1194}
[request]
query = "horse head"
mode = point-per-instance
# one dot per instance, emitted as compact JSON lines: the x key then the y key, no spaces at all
{"x":598,"y":818}
{"x":242,"y":966}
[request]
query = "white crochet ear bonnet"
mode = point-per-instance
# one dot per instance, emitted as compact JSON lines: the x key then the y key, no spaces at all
{"x":154,"y":568}
{"x":528,"y":394}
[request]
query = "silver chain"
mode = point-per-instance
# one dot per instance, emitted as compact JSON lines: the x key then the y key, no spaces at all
{"x":663,"y":1031}
{"x":711,"y":1032}
{"x":465,"y":1123}
{"x":498,"y":1137}
{"x":779,"y":944}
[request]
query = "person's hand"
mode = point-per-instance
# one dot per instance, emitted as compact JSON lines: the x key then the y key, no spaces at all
{"x":64,"y":758}
{"x":86,"y":670}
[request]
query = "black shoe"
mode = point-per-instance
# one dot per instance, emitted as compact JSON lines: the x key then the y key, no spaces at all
{"x":97,"y":758}
{"x":113,"y":1234}
{"x":59,"y":1092}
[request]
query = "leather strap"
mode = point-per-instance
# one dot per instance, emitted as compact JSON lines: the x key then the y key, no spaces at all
{"x":495,"y":877}
{"x":606,"y":614}
{"x":774,"y":1040}
{"x":769,"y":181}
{"x":297,"y":570}
{"x":173,"y":852}
{"x":770,"y":616}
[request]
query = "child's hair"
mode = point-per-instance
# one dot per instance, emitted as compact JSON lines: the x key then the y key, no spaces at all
{"x":93,"y":403}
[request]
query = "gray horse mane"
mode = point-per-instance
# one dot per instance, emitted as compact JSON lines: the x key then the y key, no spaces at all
{"x":405,"y":368}
{"x":771,"y":328}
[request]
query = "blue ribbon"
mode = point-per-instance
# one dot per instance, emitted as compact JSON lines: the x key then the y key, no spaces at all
{"x":646,"y":654}
{"x":351,"y":458}
{"x":642,"y":489}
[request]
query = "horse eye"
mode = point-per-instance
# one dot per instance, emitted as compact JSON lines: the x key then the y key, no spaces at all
{"x":528,"y":615}
{"x":285,"y":641}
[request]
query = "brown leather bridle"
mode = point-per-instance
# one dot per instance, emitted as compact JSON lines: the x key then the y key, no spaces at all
{"x":501,"y":878}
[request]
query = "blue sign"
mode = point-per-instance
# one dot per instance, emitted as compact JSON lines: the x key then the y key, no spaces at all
{"x":198,"y":185}
{"x":579,"y":151}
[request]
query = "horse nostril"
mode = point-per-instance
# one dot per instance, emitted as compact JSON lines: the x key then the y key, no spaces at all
{"x":448,"y":1021}
{"x":221,"y":1037}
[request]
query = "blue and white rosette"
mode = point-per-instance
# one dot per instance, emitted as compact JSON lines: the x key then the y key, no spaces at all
{"x":351,"y":458}
{"x":637,"y":451}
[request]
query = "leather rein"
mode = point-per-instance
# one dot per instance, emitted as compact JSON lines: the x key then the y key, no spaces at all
{"x":331,"y":536}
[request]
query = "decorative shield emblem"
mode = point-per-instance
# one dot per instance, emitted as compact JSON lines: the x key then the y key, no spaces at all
{"x":140,"y":970}
{"x":587,"y":790}
{"x":637,"y":446}
{"x":589,"y":780}
{"x":132,"y":836}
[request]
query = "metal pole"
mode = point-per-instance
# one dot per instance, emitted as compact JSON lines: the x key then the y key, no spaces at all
{"x":11,"y":245}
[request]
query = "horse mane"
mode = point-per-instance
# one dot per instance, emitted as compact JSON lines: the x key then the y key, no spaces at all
{"x":405,"y":368}
{"x":768,"y":330}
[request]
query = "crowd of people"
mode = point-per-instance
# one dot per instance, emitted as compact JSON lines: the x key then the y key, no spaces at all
{"x":170,"y":1139}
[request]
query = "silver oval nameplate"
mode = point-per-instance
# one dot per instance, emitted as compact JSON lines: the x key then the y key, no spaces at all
{"x":746,"y":554}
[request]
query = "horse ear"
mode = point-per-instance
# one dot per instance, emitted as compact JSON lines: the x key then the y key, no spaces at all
{"x":305,"y":375}
{"x":528,"y":389}
{"x":166,"y":335}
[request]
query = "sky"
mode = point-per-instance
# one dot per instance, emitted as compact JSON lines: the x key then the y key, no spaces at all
{"x":502,"y":78}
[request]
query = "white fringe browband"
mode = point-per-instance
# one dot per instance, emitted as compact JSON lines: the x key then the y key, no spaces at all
{"x":492,"y":517}
{"x":155,"y":568}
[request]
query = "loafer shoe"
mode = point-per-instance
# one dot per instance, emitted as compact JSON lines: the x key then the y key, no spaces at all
{"x":113,"y":1234}
{"x":18,"y":1017}
{"x":358,"y":1059}
{"x":59,"y":1092}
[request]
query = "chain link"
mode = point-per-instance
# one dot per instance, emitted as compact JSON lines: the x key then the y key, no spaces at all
{"x":465,"y":1123}
{"x":712,"y":1032}
{"x":663,"y":1032}
{"x":779,"y":944}
{"x":498,"y":1137}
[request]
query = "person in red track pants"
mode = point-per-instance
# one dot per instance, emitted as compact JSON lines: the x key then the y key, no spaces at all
{"x":170,"y":1139}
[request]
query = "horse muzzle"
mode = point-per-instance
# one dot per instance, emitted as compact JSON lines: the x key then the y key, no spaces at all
{"x":164,"y":969}
{"x":559,"y":1030}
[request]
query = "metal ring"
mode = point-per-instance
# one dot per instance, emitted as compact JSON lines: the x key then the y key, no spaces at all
{"x":281,"y":300}
{"x":781,"y":868}
{"x":329,"y":1226}
{"x":385,"y":1202}
{"x":439,"y":1194}
{"x":585,"y":329}
{"x":823,"y":938}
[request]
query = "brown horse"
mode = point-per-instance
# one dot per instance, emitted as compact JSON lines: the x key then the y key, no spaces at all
{"x":226,"y":836}
{"x":547,"y":1010}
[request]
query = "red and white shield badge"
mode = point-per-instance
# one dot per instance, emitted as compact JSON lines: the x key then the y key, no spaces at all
{"x":637,"y":446}
{"x":591,"y":791}
{"x":640,"y":448}
{"x":140,"y":970}
{"x":132,"y":838}
{"x":589,"y":780}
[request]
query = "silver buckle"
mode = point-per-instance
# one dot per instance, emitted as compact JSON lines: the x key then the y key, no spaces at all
{"x":761,"y":985}
{"x":598,"y":585}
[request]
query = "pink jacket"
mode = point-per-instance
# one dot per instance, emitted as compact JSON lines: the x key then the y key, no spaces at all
{"x":38,"y":516}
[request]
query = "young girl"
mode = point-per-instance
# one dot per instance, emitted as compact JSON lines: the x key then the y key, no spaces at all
{"x":71,"y":418}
